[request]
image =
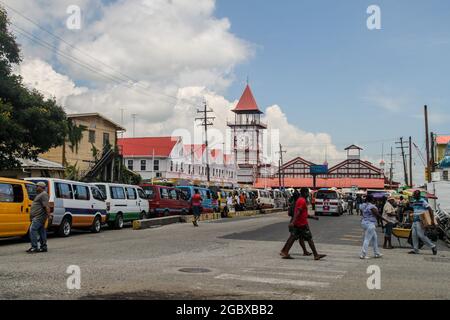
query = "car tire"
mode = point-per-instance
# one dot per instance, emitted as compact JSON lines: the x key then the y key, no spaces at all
{"x":119,"y":222}
{"x":166,"y":213}
{"x":96,"y":225}
{"x":143,"y":215}
{"x":65,"y":228}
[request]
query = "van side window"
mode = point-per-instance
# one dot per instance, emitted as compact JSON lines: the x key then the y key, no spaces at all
{"x":31,"y":189}
{"x":117,"y":193}
{"x":131,"y":194}
{"x":164,"y":193}
{"x":173,"y":194}
{"x":81,"y":192}
{"x":7,"y":193}
{"x":63,"y":191}
{"x":102,"y":189}
{"x":150,"y":192}
{"x":142,"y":194}
{"x":96,"y":194}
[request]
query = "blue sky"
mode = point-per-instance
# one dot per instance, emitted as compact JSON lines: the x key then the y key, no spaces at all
{"x":318,"y":60}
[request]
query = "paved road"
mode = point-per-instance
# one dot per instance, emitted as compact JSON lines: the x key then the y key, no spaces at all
{"x":231,"y":259}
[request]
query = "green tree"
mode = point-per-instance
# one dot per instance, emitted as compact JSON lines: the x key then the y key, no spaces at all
{"x":29,"y":123}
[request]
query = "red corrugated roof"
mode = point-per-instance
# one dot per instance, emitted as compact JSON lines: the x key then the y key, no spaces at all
{"x":247,"y":101}
{"x":443,"y":139}
{"x":322,"y":183}
{"x":161,"y":146}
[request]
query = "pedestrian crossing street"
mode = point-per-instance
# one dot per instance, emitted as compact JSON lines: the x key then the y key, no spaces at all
{"x":302,"y":274}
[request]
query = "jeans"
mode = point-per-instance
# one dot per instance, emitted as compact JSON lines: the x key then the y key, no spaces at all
{"x":370,"y":238}
{"x":37,"y":229}
{"x":388,"y":229}
{"x":418,"y":232}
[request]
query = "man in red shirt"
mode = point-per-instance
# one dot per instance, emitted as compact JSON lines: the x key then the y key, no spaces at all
{"x":299,"y":227}
{"x":196,"y":206}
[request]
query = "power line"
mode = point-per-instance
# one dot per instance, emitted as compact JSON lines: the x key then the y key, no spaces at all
{"x":207,"y":121}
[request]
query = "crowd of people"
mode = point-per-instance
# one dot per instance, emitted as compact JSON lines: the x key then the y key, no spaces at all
{"x":382,"y":212}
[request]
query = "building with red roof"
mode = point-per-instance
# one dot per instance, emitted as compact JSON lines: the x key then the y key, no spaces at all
{"x":352,"y":172}
{"x":169,"y":159}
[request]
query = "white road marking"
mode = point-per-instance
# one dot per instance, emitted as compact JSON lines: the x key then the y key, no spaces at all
{"x":299,"y":283}
{"x":299,"y":274}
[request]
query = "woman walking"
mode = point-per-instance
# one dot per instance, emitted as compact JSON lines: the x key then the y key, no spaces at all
{"x":370,"y":215}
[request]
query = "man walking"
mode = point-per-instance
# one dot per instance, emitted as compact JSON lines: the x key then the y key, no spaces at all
{"x":196,"y":207}
{"x":299,"y":228}
{"x":350,"y":201}
{"x":390,"y":216}
{"x":39,"y":214}
{"x":420,"y":206}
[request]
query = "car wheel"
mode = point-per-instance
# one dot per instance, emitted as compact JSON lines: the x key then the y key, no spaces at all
{"x":96,"y":225}
{"x":143,"y":215}
{"x":166,"y":213}
{"x":65,"y":227}
{"x":119,"y":222}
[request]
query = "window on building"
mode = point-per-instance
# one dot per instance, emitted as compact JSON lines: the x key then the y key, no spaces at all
{"x":130,"y":165}
{"x":91,"y":136}
{"x":143,"y":165}
{"x":171,"y":166}
{"x":156,"y":165}
{"x":182,"y":168}
{"x":106,"y":139}
{"x":158,"y":175}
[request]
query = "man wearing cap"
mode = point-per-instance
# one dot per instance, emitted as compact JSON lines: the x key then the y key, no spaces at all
{"x":39,"y":213}
{"x":390,"y":216}
{"x":420,"y":205}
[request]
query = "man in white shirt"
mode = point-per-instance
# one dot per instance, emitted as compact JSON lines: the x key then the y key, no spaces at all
{"x":390,"y":216}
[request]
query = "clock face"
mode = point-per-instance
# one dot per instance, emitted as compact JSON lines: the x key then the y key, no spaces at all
{"x":244,"y":140}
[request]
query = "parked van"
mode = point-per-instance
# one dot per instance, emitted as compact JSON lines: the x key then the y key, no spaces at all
{"x":264,"y":199}
{"x":16,"y":197}
{"x":329,"y":201}
{"x":75,"y":205}
{"x":124,"y":203}
{"x":166,"y":201}
{"x":279,"y":199}
{"x":206,"y":194}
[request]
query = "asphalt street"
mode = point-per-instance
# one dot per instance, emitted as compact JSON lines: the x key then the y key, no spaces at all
{"x":227,"y":259}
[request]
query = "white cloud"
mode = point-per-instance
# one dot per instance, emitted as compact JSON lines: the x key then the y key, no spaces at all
{"x":178,"y":53}
{"x":386,"y":102}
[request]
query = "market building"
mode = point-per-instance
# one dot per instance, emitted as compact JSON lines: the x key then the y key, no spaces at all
{"x":168,"y":159}
{"x":442,"y":158}
{"x":351,"y":173}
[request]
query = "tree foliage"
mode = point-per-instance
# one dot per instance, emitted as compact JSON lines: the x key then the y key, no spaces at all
{"x":29,"y":123}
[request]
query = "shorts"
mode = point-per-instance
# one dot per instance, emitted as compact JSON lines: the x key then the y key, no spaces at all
{"x":303,"y":233}
{"x":196,"y":211}
{"x":388,"y":229}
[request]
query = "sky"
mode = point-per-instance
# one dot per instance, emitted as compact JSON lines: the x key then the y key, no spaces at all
{"x":324,"y":80}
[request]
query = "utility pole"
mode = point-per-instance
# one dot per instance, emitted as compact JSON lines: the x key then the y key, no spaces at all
{"x":206,"y":121}
{"x":121,"y":119}
{"x":427,"y":137}
{"x":134,"y":115}
{"x":280,"y":165}
{"x":402,"y":147}
{"x":391,"y":169}
{"x":433,"y":152}
{"x":410,"y":163}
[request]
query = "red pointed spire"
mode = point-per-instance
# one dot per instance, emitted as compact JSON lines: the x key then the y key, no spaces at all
{"x":247,"y":103}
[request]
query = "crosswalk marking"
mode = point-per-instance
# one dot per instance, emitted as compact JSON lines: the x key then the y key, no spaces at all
{"x":299,"y":283}
{"x":300,"y":274}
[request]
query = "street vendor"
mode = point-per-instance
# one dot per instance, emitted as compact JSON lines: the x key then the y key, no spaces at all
{"x":390,"y":216}
{"x":420,"y":206}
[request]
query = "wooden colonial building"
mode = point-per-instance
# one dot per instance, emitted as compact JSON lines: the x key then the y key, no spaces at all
{"x":353,"y":172}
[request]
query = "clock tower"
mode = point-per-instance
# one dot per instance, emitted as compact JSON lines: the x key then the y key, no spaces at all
{"x":247,"y":137}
